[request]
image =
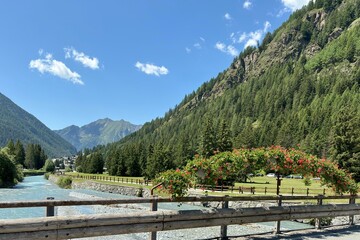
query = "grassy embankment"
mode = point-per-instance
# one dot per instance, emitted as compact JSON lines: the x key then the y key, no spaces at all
{"x":33,"y":172}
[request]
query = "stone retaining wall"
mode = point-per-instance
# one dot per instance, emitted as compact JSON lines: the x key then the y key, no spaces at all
{"x":123,"y":190}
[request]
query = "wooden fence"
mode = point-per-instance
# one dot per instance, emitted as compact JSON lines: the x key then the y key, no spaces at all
{"x":267,"y":190}
{"x":111,"y":179}
{"x":68,"y":227}
{"x":221,"y":188}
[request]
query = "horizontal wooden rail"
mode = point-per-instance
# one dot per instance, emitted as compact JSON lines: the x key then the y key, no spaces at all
{"x":101,"y":225}
{"x":46,"y":203}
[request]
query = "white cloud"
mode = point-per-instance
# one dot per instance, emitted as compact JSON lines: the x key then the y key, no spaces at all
{"x":151,"y":69}
{"x":247,"y":4}
{"x":87,"y":61}
{"x":220,"y":46}
{"x":242,"y":37}
{"x":227,"y":16}
{"x":197,"y":45}
{"x":229,"y":49}
{"x":54,"y":67}
{"x":253,"y":38}
{"x":283,"y":11}
{"x":251,"y":42}
{"x":267,"y":26}
{"x":294,"y":4}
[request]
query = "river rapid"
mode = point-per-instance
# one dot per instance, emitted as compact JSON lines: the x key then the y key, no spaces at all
{"x":37,"y":188}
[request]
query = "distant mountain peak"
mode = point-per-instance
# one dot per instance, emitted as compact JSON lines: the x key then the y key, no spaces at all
{"x":99,"y":132}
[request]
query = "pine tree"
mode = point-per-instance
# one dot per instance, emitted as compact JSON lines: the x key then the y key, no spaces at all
{"x":224,"y":143}
{"x":34,"y":156}
{"x":96,"y":163}
{"x":79,"y":161}
{"x":19,"y":153}
{"x":208,"y":144}
{"x":30,"y":156}
{"x":346,"y":141}
{"x":11,"y":147}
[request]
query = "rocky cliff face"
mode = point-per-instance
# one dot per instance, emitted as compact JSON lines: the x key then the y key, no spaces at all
{"x":289,"y":44}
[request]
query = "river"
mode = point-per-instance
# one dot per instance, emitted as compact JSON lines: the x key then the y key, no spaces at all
{"x":37,"y":188}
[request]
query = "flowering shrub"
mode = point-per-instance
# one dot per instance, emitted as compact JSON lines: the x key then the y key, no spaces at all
{"x":227,"y":167}
{"x":202,"y":171}
{"x":174,"y":182}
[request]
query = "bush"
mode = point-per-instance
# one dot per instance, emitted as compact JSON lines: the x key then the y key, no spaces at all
{"x":65,"y":182}
{"x":68,"y":169}
{"x":8,"y":172}
{"x":324,"y":222}
{"x":46,"y":175}
{"x":174,"y":182}
{"x":140,"y":192}
{"x":49,"y":166}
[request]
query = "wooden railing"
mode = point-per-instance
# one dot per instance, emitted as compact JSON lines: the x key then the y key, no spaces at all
{"x":266,"y":190}
{"x":222,"y":188}
{"x":68,"y":227}
{"x":111,"y":179}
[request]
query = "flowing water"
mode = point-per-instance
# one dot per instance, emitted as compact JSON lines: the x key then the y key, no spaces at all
{"x":37,"y":188}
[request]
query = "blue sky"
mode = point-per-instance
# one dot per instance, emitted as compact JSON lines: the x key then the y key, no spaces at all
{"x":73,"y":62}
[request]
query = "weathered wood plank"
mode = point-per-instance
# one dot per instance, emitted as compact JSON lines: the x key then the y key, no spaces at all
{"x":45,"y":203}
{"x":78,"y":232}
{"x":171,"y":218}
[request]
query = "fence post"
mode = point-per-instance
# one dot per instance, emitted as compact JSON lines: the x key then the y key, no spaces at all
{"x":351,"y":217}
{"x":50,"y":210}
{"x":292,"y":191}
{"x":265,"y":190}
{"x":307,"y":191}
{"x":223,"y":230}
{"x":278,"y":223}
{"x":153,"y":207}
{"x":318,"y":220}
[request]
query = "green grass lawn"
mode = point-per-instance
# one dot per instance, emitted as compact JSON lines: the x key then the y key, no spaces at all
{"x":288,"y":186}
{"x":33,"y":172}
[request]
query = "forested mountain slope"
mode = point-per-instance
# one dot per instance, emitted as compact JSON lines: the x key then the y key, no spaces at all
{"x":100,"y":132}
{"x":288,"y":91}
{"x":17,"y":124}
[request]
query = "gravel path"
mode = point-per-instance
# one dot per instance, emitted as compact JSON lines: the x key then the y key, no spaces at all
{"x":332,"y":233}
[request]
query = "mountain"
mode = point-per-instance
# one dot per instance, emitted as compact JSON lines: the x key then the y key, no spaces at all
{"x":100,"y":132}
{"x":16,"y":123}
{"x":288,"y":91}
